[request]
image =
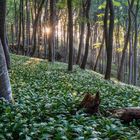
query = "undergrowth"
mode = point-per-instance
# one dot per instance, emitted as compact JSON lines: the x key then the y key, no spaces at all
{"x":45,"y":94}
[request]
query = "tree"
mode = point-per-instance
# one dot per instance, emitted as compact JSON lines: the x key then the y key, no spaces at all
{"x":52,"y":31}
{"x":83,"y":65}
{"x":70,"y":34}
{"x":35,"y":25}
{"x":120,"y":71}
{"x":100,"y":51}
{"x":109,"y":35}
{"x":20,"y":24}
{"x":82,"y":27}
{"x":27,"y":26}
{"x":3,"y":32}
{"x":136,"y":43}
{"x":46,"y":27}
{"x":5,"y":87}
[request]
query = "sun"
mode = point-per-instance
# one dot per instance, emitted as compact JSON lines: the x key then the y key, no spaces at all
{"x":46,"y":30}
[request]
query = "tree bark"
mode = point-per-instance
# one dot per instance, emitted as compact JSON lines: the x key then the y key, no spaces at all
{"x":100,"y":51}
{"x":109,"y":36}
{"x":136,"y":45}
{"x":130,"y":60}
{"x":83,"y":65}
{"x":51,"y":35}
{"x":3,"y":31}
{"x":35,"y":25}
{"x":82,"y":27}
{"x":27,"y":26}
{"x":120,"y":71}
{"x":70,"y":35}
{"x":16,"y":22}
{"x":126,"y":114}
{"x":23,"y":27}
{"x":5,"y":87}
{"x":20,"y":23}
{"x":90,"y":103}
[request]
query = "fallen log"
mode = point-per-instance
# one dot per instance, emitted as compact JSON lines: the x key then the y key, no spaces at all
{"x":91,"y":105}
{"x":127,"y":115}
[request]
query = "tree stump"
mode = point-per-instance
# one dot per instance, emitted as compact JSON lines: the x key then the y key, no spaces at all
{"x":91,"y":103}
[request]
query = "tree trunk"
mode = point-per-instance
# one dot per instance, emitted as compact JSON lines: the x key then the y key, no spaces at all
{"x":27,"y":26}
{"x":83,"y":65}
{"x":16,"y":22}
{"x":51,"y":35}
{"x":130,"y":61}
{"x":23,"y":27}
{"x":35,"y":26}
{"x":3,"y":31}
{"x":12,"y":34}
{"x":109,"y":36}
{"x":135,"y":45}
{"x":5,"y":88}
{"x":70,"y":35}
{"x":20,"y":23}
{"x":82,"y":27}
{"x":120,"y":71}
{"x":100,"y":51}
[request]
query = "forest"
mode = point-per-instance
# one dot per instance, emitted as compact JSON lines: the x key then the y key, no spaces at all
{"x":69,"y":69}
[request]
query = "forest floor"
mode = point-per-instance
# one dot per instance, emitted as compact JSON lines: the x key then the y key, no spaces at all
{"x":46,"y":93}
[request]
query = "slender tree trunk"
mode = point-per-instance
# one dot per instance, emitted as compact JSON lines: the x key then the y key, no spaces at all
{"x":130,"y":61}
{"x":118,"y":46}
{"x":16,"y":22}
{"x":35,"y":24}
{"x":27,"y":26}
{"x":109,"y":36}
{"x":23,"y":27}
{"x":82,"y":27}
{"x":20,"y":23}
{"x":120,"y":71}
{"x":12,"y":34}
{"x":81,"y":43}
{"x":135,"y":45}
{"x":51,"y":37}
{"x":83,"y":65}
{"x":100,"y":51}
{"x":45,"y":35}
{"x":70,"y":35}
